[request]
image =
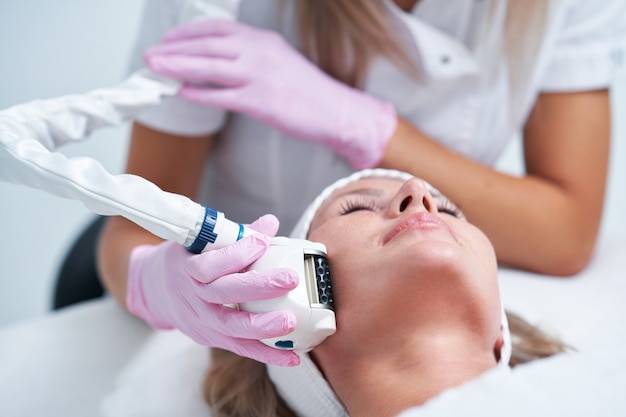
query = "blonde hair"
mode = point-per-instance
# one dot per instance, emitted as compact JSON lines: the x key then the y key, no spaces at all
{"x":240,"y":387}
{"x":530,"y":342}
{"x":343,"y":36}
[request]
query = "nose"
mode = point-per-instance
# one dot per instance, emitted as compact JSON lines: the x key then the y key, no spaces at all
{"x":413,"y":195}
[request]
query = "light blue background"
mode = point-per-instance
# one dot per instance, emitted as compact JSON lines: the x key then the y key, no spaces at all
{"x":48,"y":49}
{"x":52,"y":48}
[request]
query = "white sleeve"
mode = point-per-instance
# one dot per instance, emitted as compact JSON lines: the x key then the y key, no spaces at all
{"x":591,"y":36}
{"x":174,"y":115}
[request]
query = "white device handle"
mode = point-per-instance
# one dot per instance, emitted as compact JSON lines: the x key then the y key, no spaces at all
{"x":29,"y":132}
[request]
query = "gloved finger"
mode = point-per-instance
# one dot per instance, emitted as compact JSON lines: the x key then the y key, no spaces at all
{"x":208,"y":266}
{"x":193,"y":69}
{"x":203,"y":27}
{"x":209,"y":322}
{"x":267,"y":224}
{"x":207,"y":46}
{"x":258,"y":351}
{"x":248,"y":286}
{"x":250,"y":348}
{"x":223,"y":98}
{"x":246,"y":325}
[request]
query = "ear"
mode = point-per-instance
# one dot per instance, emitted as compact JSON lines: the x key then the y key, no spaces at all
{"x":497,"y":347}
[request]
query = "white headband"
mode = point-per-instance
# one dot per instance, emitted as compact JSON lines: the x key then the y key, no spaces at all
{"x":303,"y":387}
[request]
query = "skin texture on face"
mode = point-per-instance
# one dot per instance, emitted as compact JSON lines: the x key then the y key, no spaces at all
{"x":415,"y":288}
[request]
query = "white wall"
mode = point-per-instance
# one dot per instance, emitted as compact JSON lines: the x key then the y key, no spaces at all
{"x":48,"y":49}
{"x":52,"y":48}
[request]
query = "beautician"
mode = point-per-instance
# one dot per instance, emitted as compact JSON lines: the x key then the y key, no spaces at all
{"x":293,"y":95}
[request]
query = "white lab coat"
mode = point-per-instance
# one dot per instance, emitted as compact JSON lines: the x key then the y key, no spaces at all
{"x":254,"y":169}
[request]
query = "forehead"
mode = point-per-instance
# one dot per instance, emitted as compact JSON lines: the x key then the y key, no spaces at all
{"x":369,"y":185}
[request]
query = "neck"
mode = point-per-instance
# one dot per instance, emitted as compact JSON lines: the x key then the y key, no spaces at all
{"x":375,"y":383}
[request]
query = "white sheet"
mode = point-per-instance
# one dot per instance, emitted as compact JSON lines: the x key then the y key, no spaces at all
{"x":95,"y":359}
{"x":65,"y":363}
{"x":590,"y":383}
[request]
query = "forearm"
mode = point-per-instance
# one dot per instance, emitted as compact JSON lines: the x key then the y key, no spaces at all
{"x":534,"y":223}
{"x":119,"y":237}
{"x":171,"y":162}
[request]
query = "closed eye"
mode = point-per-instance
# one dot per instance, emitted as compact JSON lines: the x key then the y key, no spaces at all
{"x":357,"y":203}
{"x":446,"y":206}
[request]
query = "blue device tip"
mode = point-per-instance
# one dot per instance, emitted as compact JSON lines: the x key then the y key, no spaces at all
{"x":207,"y":234}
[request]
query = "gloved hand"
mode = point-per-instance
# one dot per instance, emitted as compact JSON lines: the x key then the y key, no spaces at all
{"x":169,"y":287}
{"x":237,"y":67}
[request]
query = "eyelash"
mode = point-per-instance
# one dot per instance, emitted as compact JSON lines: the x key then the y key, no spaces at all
{"x":356,"y":204}
{"x":363,"y":203}
{"x":448,"y":207}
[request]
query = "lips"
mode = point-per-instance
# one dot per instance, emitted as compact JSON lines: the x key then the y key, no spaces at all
{"x":419,"y":221}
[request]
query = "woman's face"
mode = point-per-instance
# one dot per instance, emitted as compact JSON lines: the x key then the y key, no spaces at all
{"x":405,"y":264}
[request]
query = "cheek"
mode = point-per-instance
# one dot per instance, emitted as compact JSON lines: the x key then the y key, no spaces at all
{"x":353,"y":261}
{"x":346,"y":243}
{"x":484,"y":253}
{"x":476,"y":244}
{"x":485,"y":268}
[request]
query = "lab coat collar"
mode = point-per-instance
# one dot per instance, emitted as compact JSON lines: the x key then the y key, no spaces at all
{"x":440,"y":55}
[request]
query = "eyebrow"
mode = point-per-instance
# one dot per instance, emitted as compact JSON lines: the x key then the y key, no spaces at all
{"x":376,"y":192}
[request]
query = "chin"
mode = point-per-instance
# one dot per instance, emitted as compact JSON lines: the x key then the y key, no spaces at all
{"x":436,"y":256}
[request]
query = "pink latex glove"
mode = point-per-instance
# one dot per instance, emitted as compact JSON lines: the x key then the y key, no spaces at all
{"x":237,"y":67}
{"x":169,"y":287}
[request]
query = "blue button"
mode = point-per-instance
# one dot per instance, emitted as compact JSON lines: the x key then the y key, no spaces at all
{"x":284,"y":344}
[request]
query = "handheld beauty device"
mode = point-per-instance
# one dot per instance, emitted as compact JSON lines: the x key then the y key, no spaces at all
{"x":311,"y":301}
{"x":216,"y":231}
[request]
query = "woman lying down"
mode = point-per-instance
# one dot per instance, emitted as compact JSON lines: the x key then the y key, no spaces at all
{"x":417,"y":305}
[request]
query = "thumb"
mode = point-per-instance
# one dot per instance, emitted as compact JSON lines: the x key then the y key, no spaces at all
{"x":267,"y":225}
